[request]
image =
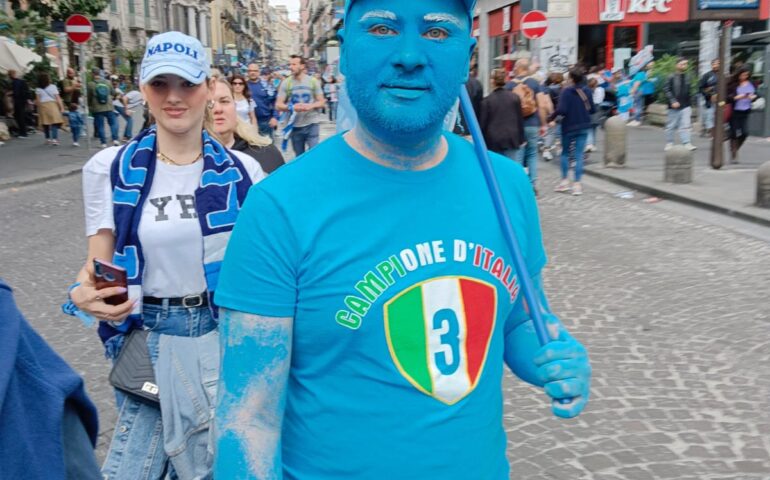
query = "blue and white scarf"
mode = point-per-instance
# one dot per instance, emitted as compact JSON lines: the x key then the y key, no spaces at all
{"x":222,"y":190}
{"x":291,"y":117}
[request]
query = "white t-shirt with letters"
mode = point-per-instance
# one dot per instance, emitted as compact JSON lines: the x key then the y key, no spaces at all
{"x":169,"y":230}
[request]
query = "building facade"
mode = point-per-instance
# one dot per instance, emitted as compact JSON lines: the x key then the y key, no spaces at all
{"x":284,"y":34}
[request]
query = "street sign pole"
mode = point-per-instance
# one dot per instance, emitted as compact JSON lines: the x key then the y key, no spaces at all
{"x":84,"y":83}
{"x":717,"y":145}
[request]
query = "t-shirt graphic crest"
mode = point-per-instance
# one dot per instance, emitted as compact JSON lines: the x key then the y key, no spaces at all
{"x":438,"y":334}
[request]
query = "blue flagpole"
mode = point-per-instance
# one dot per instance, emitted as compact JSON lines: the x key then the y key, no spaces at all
{"x":505,"y":220}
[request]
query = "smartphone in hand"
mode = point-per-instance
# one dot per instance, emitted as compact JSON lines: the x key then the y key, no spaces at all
{"x":108,"y":275}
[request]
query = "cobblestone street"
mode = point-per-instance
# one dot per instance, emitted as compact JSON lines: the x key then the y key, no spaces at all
{"x":674,"y":310}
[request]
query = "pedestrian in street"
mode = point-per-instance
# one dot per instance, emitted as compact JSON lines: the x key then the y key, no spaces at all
{"x":244,"y":105}
{"x":49,"y":108}
{"x":621,"y":88}
{"x":642,"y":89}
{"x":536,"y":107}
{"x":552,"y":86}
{"x":353,"y":311}
{"x":301,"y":94}
{"x":502,"y":122}
{"x":120,"y":103}
{"x":707,"y":86}
{"x":20,"y":97}
{"x":741,"y":95}
{"x":597,"y":94}
{"x":332,"y":97}
{"x":576,"y":105}
{"x":678,"y":90}
{"x":101,"y":108}
{"x":263,"y":92}
{"x":166,"y":219}
{"x":71,"y":88}
{"x":234,"y":133}
{"x":75,"y":119}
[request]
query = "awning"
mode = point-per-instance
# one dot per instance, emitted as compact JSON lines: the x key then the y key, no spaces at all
{"x":15,"y":57}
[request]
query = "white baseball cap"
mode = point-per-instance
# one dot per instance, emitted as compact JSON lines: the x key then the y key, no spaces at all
{"x":177,"y":54}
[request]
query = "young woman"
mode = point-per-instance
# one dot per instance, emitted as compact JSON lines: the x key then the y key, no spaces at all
{"x":49,"y":108}
{"x":742,"y":94}
{"x":244,"y":105}
{"x":162,"y":207}
{"x":575,"y":108}
{"x":236,"y":134}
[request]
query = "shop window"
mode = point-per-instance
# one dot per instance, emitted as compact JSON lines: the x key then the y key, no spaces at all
{"x":147,"y":8}
{"x":114,"y":6}
{"x":131,"y":7}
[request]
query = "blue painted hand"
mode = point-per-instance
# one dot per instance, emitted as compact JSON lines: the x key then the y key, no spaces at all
{"x":565,"y":371}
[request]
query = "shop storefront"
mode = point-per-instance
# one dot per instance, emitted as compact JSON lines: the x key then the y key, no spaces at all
{"x":503,"y":34}
{"x":611,"y":31}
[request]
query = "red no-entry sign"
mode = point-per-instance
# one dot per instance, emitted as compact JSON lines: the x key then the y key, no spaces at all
{"x":79,"y":28}
{"x":534,"y":24}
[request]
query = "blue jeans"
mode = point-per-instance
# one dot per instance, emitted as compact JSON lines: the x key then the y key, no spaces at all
{"x":51,"y":132}
{"x":638,"y":107}
{"x":550,"y":136}
{"x":75,"y":133}
{"x":528,"y":154}
{"x":136,"y":451}
{"x":679,"y":120}
{"x":591,"y":136}
{"x":99,"y":118}
{"x":265,"y":128}
{"x":511,"y":153}
{"x":578,"y":138}
{"x":129,"y":130}
{"x":302,"y":136}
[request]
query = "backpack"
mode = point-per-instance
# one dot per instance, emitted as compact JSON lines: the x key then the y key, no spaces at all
{"x":527,"y":97}
{"x":102,"y":93}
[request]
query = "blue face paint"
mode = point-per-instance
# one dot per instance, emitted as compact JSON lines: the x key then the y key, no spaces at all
{"x":404,"y":63}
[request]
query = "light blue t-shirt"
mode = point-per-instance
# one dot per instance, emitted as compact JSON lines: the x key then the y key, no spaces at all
{"x":400,"y":286}
{"x":647,"y":85}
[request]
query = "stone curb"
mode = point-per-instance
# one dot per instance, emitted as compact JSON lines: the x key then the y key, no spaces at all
{"x":678,"y":198}
{"x":42,"y":179}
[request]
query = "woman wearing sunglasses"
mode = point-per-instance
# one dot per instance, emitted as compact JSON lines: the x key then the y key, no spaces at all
{"x":244,"y":105}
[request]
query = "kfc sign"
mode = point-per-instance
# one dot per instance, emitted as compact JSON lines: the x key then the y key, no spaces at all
{"x":614,"y":10}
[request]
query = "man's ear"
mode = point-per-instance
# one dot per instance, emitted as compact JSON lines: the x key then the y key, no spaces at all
{"x":343,"y":50}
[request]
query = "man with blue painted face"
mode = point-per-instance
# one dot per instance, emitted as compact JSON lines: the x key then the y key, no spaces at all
{"x":368,"y":298}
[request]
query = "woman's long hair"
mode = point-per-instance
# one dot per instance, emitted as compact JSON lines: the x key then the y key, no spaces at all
{"x":243,"y":130}
{"x":246,"y":89}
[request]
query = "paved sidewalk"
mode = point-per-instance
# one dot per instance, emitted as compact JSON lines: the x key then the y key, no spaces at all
{"x":23,"y":162}
{"x":731,"y":190}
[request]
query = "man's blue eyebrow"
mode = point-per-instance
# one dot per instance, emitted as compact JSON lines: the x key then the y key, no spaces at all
{"x":443,"y":17}
{"x":381,"y":14}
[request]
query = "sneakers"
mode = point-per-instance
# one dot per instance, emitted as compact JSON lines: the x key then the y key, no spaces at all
{"x":115,"y":143}
{"x":668,"y":147}
{"x":577,"y":189}
{"x":75,"y":144}
{"x":589,"y":149}
{"x":562,"y":187}
{"x":104,"y":145}
{"x":634,"y":123}
{"x":55,"y":143}
{"x":547,"y":155}
{"x":690,"y":146}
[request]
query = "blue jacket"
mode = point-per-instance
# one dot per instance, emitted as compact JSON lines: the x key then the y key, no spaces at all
{"x":35,"y":383}
{"x":575,"y":111}
{"x":265,"y":100}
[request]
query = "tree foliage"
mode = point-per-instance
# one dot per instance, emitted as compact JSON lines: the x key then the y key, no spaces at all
{"x":61,"y":9}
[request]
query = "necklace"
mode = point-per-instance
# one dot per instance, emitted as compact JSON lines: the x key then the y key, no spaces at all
{"x":170,"y":161}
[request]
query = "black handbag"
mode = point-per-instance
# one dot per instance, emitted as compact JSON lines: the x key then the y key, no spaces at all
{"x":133,"y":372}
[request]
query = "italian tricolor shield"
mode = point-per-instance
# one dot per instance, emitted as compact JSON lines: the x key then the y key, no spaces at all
{"x":438,"y":333}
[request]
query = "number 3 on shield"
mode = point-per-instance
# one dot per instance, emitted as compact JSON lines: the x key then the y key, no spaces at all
{"x":448,"y":359}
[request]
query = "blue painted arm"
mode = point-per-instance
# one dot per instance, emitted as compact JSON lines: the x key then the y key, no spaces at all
{"x":561,"y":367}
{"x":256,"y":356}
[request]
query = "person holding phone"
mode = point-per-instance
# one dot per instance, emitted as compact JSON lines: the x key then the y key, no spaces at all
{"x":161,"y":208}
{"x":376,"y":308}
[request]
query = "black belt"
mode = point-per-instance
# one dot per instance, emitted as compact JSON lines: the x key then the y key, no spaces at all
{"x":190,"y":301}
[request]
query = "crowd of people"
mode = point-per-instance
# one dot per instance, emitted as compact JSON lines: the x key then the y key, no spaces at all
{"x":553,"y":110}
